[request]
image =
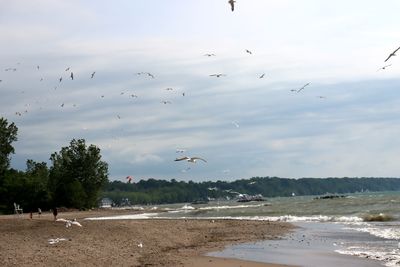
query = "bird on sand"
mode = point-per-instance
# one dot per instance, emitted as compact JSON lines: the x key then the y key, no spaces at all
{"x":53,"y":241}
{"x":69,"y":223}
{"x":232,"y":3}
{"x":304,"y":86}
{"x":392,"y":54}
{"x":190,"y":159}
{"x":92,"y":75}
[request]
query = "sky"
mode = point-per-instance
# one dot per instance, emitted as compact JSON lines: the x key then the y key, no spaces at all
{"x":344,"y":123}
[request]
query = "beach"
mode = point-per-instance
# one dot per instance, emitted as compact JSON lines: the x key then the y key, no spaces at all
{"x":150,"y":242}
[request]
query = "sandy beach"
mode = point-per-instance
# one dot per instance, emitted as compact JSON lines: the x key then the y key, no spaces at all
{"x":24,"y":241}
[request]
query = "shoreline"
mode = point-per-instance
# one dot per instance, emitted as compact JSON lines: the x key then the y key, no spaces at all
{"x":128,"y":242}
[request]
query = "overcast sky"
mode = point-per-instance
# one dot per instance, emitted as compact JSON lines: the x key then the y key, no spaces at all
{"x":346,"y":122}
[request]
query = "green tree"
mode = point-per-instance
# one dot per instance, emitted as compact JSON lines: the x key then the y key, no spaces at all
{"x":8,"y":134}
{"x":77,"y":175}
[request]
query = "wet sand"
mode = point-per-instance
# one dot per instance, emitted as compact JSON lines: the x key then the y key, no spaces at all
{"x":24,"y":241}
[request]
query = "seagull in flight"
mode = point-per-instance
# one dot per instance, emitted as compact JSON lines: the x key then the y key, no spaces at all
{"x":236,"y":124}
{"x":384,"y":67}
{"x":304,"y":86}
{"x":232,"y":3}
{"x":209,"y":55}
{"x":72,"y":75}
{"x":217,"y":75}
{"x":248,"y":51}
{"x":392,"y":54}
{"x":92,"y":75}
{"x":67,"y":69}
{"x":60,"y":79}
{"x":166,"y":102}
{"x":190,"y":159}
{"x":262,"y":76}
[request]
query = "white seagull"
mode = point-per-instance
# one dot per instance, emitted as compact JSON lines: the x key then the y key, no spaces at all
{"x":69,"y":223}
{"x":190,"y":159}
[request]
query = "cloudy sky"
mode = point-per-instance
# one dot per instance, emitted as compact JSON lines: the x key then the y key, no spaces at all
{"x":346,"y":122}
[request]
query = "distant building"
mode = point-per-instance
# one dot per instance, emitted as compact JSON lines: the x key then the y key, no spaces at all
{"x":105,"y":203}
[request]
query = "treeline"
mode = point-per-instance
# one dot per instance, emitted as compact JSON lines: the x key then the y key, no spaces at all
{"x":73,"y":180}
{"x":161,"y":191}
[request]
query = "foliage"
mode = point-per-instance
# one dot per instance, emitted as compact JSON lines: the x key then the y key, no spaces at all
{"x":77,"y":175}
{"x":8,"y":134}
{"x":161,"y":191}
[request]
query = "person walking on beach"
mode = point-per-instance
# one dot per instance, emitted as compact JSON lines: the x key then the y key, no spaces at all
{"x":55,"y":212}
{"x":39,"y":212}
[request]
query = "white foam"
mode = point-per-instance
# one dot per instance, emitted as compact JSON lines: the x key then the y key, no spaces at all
{"x":387,"y":233}
{"x":231,"y":207}
{"x":140,"y":216}
{"x":390,"y":258}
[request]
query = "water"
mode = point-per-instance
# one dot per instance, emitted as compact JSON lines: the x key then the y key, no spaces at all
{"x":365,"y":225}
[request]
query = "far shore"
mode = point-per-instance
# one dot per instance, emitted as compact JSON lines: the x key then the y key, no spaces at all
{"x":149,"y":242}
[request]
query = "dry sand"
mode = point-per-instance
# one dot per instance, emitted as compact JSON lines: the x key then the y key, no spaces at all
{"x":24,"y":241}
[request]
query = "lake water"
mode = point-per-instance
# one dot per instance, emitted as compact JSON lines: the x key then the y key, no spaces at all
{"x":364,"y":225}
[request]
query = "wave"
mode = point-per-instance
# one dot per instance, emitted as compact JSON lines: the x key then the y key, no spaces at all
{"x":231,"y":207}
{"x":381,"y":217}
{"x":382,"y":232}
{"x":390,"y":258}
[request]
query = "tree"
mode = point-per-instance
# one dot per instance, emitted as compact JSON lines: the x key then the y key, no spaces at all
{"x":77,"y":175}
{"x":8,"y":134}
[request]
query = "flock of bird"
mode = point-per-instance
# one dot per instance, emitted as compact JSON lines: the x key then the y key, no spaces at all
{"x":192,"y":159}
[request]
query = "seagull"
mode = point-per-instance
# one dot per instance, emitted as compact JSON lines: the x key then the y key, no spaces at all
{"x":53,"y":241}
{"x":67,"y":69}
{"x":169,"y":89}
{"x":248,"y":51}
{"x":134,"y":96}
{"x":190,"y":159}
{"x":320,"y":96}
{"x":166,"y":102}
{"x":392,"y":54}
{"x":384,"y":67}
{"x":69,"y":223}
{"x":60,"y":79}
{"x":180,"y":150}
{"x":232,"y":3}
{"x":92,"y":75}
{"x":72,"y":76}
{"x":217,"y":75}
{"x":209,"y":55}
{"x":304,"y":86}
{"x":262,"y":76}
{"x":38,"y":67}
{"x":183,"y":94}
{"x":150,"y":75}
{"x":62,"y":105}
